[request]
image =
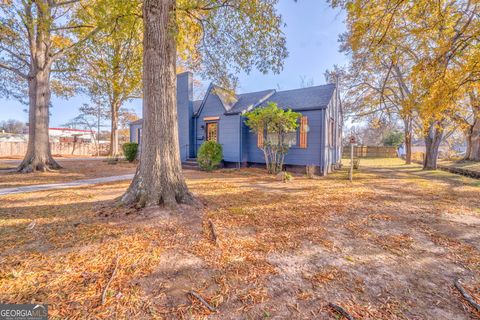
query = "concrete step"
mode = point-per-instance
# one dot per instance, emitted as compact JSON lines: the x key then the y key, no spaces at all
{"x":190,"y":164}
{"x":190,"y":167}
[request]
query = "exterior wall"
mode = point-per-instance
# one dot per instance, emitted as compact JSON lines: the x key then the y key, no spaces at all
{"x":228,"y":128}
{"x":184,"y":115}
{"x":296,"y":156}
{"x":332,"y":151}
{"x":134,"y":133}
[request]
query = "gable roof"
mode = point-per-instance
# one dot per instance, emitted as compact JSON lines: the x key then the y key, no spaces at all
{"x":310,"y":98}
{"x":248,"y":101}
{"x":196,"y":106}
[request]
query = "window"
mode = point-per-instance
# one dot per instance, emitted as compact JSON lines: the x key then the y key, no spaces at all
{"x":212,"y":131}
{"x":304,"y":129}
{"x":290,"y":138}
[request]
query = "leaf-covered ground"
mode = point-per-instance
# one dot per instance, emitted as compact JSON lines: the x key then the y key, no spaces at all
{"x":72,"y":170}
{"x":387,"y":246}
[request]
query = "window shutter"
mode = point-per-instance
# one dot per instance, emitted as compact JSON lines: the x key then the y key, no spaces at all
{"x":303,"y":132}
{"x":260,"y":138}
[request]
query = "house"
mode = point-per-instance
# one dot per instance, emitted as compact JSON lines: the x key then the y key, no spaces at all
{"x":71,"y":135}
{"x":219,"y":116}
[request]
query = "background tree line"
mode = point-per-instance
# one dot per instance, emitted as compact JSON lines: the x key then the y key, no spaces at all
{"x":417,"y":61}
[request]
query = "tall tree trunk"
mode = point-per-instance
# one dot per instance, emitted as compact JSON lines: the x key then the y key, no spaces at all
{"x":432,"y":144}
{"x":159,"y":179}
{"x":475,"y":139}
{"x":38,"y":156}
{"x":408,"y":140}
{"x":114,"y":130}
{"x":468,"y":142}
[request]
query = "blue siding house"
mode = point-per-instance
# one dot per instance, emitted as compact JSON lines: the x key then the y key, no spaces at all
{"x":219,"y":116}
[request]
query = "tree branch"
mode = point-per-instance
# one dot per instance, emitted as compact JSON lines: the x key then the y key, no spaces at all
{"x":68,"y":49}
{"x":14,"y":70}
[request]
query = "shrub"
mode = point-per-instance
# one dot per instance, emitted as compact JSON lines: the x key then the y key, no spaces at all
{"x":209,"y":155}
{"x":356,"y":164}
{"x":273,"y":125}
{"x":284,"y":176}
{"x":130,"y":151}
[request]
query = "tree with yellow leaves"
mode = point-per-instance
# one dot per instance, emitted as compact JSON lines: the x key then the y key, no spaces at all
{"x":109,"y":65}
{"x":420,"y":42}
{"x":35,"y":38}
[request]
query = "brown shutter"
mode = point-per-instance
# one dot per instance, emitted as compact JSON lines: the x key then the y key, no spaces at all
{"x":303,"y":132}
{"x":260,"y":138}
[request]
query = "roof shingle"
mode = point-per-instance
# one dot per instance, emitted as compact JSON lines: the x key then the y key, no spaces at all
{"x":303,"y":99}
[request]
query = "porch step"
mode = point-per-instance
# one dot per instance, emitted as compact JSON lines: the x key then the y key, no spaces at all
{"x":190,"y":164}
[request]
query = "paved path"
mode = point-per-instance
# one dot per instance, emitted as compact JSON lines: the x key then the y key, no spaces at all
{"x":65,"y":185}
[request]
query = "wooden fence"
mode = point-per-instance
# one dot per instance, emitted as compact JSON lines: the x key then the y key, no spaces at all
{"x":370,"y":152}
{"x":58,"y":148}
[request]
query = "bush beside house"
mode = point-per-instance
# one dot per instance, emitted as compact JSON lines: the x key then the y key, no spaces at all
{"x":130,"y":151}
{"x":209,"y":155}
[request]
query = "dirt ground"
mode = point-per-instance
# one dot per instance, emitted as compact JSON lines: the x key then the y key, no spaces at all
{"x":72,"y":170}
{"x":387,"y":246}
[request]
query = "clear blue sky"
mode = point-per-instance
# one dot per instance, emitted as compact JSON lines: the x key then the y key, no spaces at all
{"x":312,"y":32}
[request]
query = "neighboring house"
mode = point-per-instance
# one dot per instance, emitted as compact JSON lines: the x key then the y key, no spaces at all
{"x":219,"y":117}
{"x":13,"y":137}
{"x":55,"y":135}
{"x":71,"y":135}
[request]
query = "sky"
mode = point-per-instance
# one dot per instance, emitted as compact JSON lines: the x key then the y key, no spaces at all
{"x":312,"y":30}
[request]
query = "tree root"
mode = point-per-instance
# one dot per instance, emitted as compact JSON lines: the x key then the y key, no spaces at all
{"x":341,"y":311}
{"x":205,"y":303}
{"x":33,"y":164}
{"x":466,"y":295}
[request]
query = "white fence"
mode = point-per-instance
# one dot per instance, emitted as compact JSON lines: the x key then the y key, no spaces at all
{"x":58,"y":148}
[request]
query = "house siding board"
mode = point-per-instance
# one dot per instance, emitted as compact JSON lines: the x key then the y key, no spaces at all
{"x":245,"y":140}
{"x":134,"y":132}
{"x":228,"y":128}
{"x":332,"y":152}
{"x":296,"y":155}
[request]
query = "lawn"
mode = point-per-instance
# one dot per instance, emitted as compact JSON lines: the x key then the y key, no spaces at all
{"x":72,"y":170}
{"x":387,"y":246}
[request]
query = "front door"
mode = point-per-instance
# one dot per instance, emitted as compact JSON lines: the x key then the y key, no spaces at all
{"x":212,"y":131}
